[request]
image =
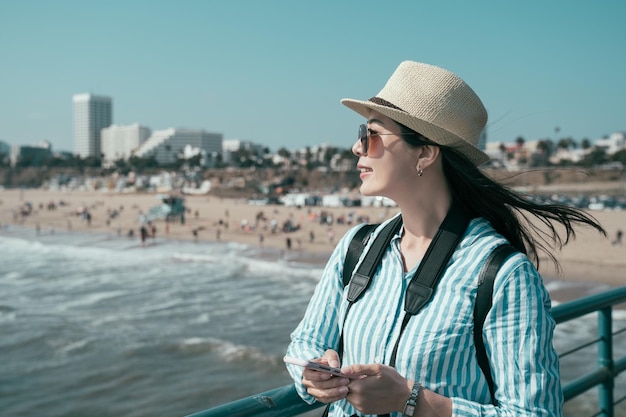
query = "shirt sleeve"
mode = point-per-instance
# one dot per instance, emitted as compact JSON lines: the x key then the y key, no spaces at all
{"x":320,"y":327}
{"x":518,"y":334}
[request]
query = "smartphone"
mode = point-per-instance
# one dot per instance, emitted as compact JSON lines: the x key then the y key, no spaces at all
{"x":315,"y":366}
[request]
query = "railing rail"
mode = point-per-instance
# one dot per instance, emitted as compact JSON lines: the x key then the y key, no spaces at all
{"x":285,"y":402}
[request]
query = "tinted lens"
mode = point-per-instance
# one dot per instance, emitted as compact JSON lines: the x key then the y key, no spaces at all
{"x":364,"y":138}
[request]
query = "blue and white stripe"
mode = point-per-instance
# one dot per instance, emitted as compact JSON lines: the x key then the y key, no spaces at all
{"x":437,"y":347}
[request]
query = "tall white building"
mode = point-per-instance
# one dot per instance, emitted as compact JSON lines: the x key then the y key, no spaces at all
{"x":166,"y":146}
{"x":91,"y":114}
{"x":119,"y":142}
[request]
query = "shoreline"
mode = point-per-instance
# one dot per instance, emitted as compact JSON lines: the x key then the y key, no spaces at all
{"x":590,"y":259}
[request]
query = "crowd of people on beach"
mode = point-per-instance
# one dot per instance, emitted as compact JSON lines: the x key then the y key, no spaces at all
{"x":300,"y":227}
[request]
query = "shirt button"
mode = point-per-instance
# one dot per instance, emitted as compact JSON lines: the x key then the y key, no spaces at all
{"x":377,"y":359}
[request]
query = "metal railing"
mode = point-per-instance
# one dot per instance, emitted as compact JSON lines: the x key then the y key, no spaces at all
{"x":285,"y":402}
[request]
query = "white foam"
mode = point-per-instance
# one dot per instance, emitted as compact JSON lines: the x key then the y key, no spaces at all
{"x":90,"y":299}
{"x":227,"y":351}
{"x":202,"y":318}
{"x":65,"y":350}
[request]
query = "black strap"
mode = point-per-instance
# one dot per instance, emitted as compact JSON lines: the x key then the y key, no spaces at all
{"x":436,"y":258}
{"x":358,"y":242}
{"x":483,"y":304}
{"x":361,"y":278}
{"x":359,"y":284}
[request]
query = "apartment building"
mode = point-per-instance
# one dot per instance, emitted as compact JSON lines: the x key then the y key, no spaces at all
{"x":120,"y":142}
{"x":166,"y":146}
{"x":92,"y":113}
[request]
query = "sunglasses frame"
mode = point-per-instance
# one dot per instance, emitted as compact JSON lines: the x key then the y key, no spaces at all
{"x":365,"y":133}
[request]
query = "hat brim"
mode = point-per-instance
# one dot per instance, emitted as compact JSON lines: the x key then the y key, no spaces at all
{"x":433,"y":132}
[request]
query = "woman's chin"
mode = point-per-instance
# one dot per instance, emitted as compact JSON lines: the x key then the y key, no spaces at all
{"x":367,"y":191}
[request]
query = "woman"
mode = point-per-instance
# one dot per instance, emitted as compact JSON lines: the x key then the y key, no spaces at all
{"x":419,"y":148}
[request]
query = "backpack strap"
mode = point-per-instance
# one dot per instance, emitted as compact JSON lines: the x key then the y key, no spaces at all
{"x":358,"y":242}
{"x":363,"y":275}
{"x":483,"y":304}
{"x":436,"y":258}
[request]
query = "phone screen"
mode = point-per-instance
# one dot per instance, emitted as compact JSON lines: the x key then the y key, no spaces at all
{"x":315,"y":366}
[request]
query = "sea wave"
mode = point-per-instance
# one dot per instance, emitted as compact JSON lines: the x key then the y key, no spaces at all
{"x":105,"y":321}
{"x":227,"y":351}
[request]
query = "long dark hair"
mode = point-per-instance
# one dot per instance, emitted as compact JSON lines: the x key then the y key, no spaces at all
{"x":501,"y":206}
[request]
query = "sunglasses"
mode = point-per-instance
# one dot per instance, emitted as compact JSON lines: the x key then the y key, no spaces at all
{"x":364,"y":137}
{"x":365,"y":133}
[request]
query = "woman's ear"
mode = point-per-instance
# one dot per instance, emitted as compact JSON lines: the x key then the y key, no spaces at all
{"x":427,"y":155}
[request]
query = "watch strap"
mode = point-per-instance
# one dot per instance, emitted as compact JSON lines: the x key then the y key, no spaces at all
{"x":411,"y":403}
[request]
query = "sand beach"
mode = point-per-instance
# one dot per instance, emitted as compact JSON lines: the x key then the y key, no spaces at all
{"x":590,"y":258}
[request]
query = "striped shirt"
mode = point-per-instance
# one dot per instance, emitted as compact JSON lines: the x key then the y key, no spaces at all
{"x":437,"y":346}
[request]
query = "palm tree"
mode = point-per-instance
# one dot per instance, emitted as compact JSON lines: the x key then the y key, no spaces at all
{"x":585,"y":144}
{"x":307,"y":158}
{"x":284,"y":152}
{"x":567,"y":143}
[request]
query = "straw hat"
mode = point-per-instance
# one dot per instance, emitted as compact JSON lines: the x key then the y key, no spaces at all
{"x":434,"y":102}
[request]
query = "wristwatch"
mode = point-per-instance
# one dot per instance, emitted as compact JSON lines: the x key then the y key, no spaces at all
{"x":411,"y":403}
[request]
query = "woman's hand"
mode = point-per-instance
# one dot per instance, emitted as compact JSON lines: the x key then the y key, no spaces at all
{"x":377,"y":389}
{"x":325,"y":387}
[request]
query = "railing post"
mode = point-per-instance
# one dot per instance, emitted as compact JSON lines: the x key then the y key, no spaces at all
{"x":605,"y":360}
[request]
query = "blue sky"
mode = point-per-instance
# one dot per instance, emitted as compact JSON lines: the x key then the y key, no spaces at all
{"x":273,"y":71}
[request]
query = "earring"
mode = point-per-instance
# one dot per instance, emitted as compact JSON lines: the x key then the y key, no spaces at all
{"x":419,"y":172}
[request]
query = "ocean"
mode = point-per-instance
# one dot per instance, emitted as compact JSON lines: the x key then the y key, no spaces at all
{"x":99,"y":325}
